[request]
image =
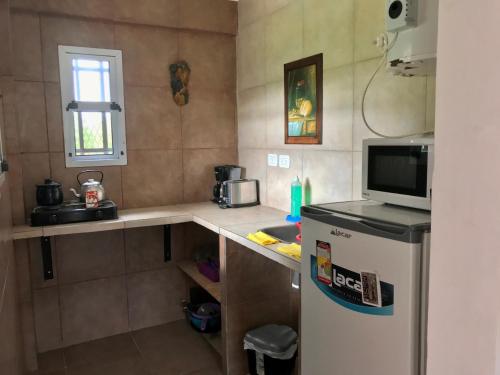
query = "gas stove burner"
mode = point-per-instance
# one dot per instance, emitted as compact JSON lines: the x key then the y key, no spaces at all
{"x":73,"y":212}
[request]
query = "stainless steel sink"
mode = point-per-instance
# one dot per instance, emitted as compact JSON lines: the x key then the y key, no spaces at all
{"x":283,"y":233}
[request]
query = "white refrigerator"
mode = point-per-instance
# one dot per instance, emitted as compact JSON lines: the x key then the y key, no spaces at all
{"x":363,"y":289}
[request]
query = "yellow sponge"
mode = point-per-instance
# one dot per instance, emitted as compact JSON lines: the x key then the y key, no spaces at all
{"x":292,"y":250}
{"x":261,"y":238}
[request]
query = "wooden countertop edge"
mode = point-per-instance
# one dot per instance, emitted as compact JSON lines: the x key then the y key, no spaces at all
{"x":137,"y":218}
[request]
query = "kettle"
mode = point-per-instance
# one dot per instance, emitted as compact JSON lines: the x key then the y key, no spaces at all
{"x":90,"y":185}
{"x":49,"y":193}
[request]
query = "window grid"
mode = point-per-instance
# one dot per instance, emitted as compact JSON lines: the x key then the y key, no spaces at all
{"x":92,"y":100}
{"x":102,"y":67}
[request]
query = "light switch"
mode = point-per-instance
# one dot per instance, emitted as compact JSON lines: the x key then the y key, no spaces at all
{"x":272,"y":160}
{"x":284,"y":161}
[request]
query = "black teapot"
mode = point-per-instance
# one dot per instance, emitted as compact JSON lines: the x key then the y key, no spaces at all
{"x":49,"y":193}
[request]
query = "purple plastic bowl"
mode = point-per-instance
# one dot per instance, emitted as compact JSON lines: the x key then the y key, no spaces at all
{"x":210,"y":270}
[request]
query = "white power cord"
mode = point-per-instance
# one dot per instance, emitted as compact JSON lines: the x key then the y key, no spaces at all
{"x":383,"y":43}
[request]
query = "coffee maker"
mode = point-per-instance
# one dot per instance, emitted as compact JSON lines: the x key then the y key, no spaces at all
{"x":224,"y":173}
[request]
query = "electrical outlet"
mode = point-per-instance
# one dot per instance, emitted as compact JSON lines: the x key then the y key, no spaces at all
{"x":272,"y":160}
{"x":284,"y":161}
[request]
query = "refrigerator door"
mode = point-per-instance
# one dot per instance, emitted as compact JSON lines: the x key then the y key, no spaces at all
{"x":348,"y":326}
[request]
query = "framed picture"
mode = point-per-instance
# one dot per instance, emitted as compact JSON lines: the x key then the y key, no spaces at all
{"x":304,"y":101}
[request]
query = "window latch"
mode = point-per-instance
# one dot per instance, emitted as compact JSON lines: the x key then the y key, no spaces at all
{"x":115,"y":107}
{"x":4,"y":166}
{"x":72,"y":105}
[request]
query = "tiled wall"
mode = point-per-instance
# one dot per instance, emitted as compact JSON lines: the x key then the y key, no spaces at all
{"x":109,"y":283}
{"x":170,"y":149}
{"x":274,"y":32}
{"x":11,"y":350}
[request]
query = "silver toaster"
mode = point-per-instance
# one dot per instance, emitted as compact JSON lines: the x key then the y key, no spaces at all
{"x":239,"y":193}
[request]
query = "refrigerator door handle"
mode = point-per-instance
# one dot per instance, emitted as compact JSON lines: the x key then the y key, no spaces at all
{"x":385,"y":227}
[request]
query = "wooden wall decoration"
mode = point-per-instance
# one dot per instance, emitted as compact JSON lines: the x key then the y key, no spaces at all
{"x":179,"y":81}
{"x":304,"y":101}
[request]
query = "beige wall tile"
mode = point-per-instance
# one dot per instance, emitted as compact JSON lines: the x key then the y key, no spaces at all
{"x":112,"y":181}
{"x":357,"y":161}
{"x":54,"y":117}
{"x":73,"y":32}
{"x":209,"y":120}
{"x":11,"y":131}
{"x":212,"y":59}
{"x":369,"y":22}
{"x":279,"y":180}
{"x":144,"y":63}
{"x":89,"y":8}
{"x":5,"y":39}
{"x":430,"y":110}
{"x":274,"y":5}
{"x":93,"y":310}
{"x":47,"y":319}
{"x":155,"y":297}
{"x":250,"y":11}
{"x":11,"y":340}
{"x":31,"y":117}
{"x":152,"y":178}
{"x":27,"y":47}
{"x":35,"y":169}
{"x":252,"y":118}
{"x":22,"y":262}
{"x":199,"y":171}
{"x":144,"y":249}
{"x":338,"y":97}
{"x":16,"y":188}
{"x":327,"y":176}
{"x":82,"y":257}
{"x":153,"y":120}
{"x":251,"y":52}
{"x":394,"y":105}
{"x":255,"y":164}
{"x":29,"y":337}
{"x":215,"y":15}
{"x":281,"y":26}
{"x":329,"y":29}
{"x":148,"y":12}
{"x":338,"y":91}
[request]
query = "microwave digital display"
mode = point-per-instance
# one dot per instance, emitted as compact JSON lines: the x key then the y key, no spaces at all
{"x":398,"y":169}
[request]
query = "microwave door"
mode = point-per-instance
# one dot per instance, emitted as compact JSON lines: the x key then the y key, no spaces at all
{"x":397,"y":174}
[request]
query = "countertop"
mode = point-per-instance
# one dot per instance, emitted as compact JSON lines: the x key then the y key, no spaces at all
{"x":232,"y":223}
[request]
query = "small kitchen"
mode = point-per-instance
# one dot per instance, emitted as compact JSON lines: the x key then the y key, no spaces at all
{"x":215,"y":186}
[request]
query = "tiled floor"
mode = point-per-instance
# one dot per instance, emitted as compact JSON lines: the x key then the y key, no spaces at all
{"x":171,"y":349}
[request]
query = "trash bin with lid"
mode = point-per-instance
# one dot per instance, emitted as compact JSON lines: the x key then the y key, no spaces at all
{"x":271,"y":350}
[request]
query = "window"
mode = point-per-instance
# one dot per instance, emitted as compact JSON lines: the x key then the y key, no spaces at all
{"x":92,"y":106}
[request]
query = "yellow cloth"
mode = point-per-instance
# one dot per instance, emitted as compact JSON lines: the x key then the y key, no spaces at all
{"x":292,"y":250}
{"x":261,"y":238}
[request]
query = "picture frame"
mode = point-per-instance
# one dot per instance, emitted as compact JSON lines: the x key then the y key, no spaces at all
{"x":304,"y":101}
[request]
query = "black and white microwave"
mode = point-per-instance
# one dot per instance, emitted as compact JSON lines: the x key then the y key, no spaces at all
{"x":398,"y":171}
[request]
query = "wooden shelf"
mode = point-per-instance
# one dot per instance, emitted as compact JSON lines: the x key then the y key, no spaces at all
{"x":215,"y":341}
{"x":190,"y":269}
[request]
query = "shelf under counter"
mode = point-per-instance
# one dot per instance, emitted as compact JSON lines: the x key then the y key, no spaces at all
{"x":191,"y":270}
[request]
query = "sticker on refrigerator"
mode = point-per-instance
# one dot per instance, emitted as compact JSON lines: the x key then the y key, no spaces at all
{"x":324,"y":262}
{"x":370,"y":289}
{"x":360,"y":291}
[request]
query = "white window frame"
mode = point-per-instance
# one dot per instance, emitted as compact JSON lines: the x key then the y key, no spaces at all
{"x":66,"y":56}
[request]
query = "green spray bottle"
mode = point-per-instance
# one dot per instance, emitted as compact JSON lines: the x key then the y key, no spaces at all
{"x":296,"y":200}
